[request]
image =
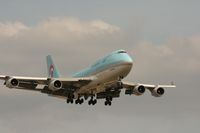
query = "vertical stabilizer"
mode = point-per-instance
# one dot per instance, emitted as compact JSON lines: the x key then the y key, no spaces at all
{"x":52,"y":69}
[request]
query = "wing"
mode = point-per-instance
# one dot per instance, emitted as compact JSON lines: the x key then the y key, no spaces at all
{"x":148,"y":86}
{"x":30,"y":83}
{"x":139,"y":89}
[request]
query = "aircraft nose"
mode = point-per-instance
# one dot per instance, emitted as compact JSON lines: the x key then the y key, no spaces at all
{"x":128,"y":59}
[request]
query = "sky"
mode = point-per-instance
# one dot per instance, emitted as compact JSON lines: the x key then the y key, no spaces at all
{"x":162,"y":37}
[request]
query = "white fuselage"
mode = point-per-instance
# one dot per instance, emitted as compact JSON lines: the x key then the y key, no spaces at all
{"x":106,"y":78}
{"x":106,"y":72}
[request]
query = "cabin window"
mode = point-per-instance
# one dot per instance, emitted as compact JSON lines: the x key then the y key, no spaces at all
{"x":121,"y":52}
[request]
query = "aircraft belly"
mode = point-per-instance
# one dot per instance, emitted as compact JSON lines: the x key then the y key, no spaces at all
{"x":105,"y":77}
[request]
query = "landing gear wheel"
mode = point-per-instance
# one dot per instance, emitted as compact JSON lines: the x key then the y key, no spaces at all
{"x":105,"y":103}
{"x":89,"y":102}
{"x":109,"y":103}
{"x":81,"y":101}
{"x":94,"y":102}
{"x":68,"y":101}
{"x":77,"y":101}
{"x":72,"y":101}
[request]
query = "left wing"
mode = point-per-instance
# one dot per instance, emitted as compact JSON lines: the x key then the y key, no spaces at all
{"x":139,"y":89}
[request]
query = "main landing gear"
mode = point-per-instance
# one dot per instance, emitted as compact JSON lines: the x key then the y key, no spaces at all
{"x":108,"y":101}
{"x":79,"y":101}
{"x":92,"y":101}
{"x":70,"y":99}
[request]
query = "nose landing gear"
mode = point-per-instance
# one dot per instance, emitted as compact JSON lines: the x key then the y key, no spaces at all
{"x":108,"y":101}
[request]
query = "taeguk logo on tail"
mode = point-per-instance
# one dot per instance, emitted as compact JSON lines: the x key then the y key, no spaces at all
{"x":51,"y":70}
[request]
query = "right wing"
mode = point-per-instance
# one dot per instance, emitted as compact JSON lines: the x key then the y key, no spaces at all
{"x":113,"y":89}
{"x":139,"y":89}
{"x":54,"y":84}
{"x":148,"y":86}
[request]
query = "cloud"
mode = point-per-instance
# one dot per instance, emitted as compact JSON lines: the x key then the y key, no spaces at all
{"x":67,"y":29}
{"x":52,"y":36}
{"x":59,"y":28}
{"x":178,"y":55}
{"x":10,"y":29}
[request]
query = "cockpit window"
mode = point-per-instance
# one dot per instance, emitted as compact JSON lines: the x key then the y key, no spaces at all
{"x":121,"y":52}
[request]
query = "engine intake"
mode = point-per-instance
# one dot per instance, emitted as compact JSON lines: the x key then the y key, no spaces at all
{"x":157,"y":92}
{"x":55,"y":85}
{"x":138,"y":90}
{"x":12,"y":83}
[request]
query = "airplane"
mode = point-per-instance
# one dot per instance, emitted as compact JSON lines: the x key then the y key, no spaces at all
{"x":102,"y":80}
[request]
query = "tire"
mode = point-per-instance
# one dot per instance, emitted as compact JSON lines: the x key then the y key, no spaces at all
{"x":67,"y":100}
{"x":81,"y":101}
{"x":105,"y":103}
{"x":89,"y":102}
{"x":95,"y":101}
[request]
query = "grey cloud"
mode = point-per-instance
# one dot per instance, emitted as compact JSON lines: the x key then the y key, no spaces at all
{"x":179,"y":55}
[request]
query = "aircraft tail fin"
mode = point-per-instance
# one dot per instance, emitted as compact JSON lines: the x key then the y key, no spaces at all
{"x":52,"y":69}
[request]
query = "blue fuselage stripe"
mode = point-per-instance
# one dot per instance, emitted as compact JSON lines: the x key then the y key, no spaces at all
{"x":107,"y":62}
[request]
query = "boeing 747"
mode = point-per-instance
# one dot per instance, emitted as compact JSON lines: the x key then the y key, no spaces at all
{"x":102,"y":80}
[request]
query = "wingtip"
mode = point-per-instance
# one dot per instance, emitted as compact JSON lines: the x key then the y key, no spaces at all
{"x":172,"y":83}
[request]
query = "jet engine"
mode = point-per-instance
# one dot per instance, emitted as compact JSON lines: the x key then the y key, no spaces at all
{"x":55,"y":85}
{"x":137,"y":90}
{"x":12,"y":83}
{"x":157,"y":92}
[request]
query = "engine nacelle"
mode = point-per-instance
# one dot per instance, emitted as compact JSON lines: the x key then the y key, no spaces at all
{"x":55,"y":85}
{"x":12,"y":83}
{"x":137,"y":90}
{"x":157,"y":92}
